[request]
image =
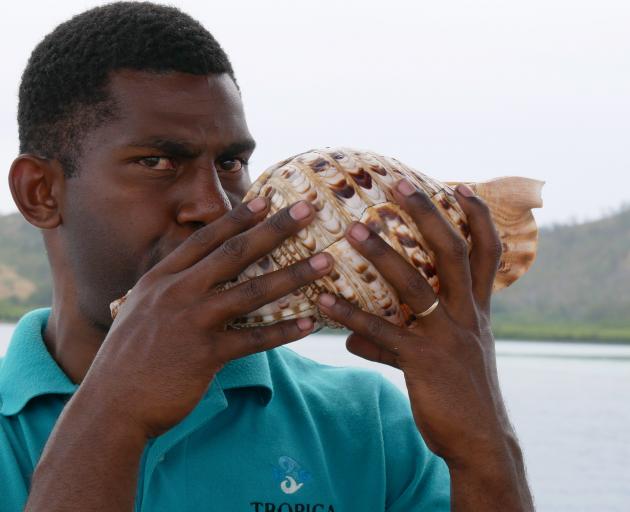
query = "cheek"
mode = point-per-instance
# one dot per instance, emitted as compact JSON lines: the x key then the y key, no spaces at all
{"x":109,"y":249}
{"x":103,"y":256}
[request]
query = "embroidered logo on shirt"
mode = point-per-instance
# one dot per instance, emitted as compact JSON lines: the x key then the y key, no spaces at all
{"x":290,"y":474}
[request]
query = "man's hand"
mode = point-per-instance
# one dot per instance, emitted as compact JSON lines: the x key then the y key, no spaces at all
{"x":447,"y":356}
{"x":162,"y":352}
{"x":169,"y":338}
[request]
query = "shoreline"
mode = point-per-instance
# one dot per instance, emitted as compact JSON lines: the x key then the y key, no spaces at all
{"x":540,"y":335}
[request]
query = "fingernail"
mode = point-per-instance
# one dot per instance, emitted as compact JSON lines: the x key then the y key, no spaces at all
{"x":464,"y":190}
{"x":299,"y":211}
{"x":257,"y":205}
{"x":405,"y":188}
{"x":318,"y":262}
{"x":359,"y":232}
{"x":304,"y":324}
{"x":325,"y":299}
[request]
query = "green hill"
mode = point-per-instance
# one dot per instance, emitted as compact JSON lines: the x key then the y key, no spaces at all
{"x":25,"y":280}
{"x":578,"y":288}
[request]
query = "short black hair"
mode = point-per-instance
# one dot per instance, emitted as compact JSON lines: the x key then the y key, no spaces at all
{"x":63,"y":93}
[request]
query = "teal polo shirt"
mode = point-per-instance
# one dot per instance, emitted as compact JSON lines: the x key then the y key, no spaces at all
{"x":275,"y":432}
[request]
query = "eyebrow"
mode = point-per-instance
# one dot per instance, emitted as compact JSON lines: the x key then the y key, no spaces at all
{"x":184,"y":149}
{"x":243,"y":146}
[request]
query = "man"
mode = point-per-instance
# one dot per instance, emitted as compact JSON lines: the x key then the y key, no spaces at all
{"x":134,"y":152}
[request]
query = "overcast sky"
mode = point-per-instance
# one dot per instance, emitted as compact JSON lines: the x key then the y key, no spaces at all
{"x":465,"y":90}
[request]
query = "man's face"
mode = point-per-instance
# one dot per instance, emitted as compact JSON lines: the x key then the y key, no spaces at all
{"x":170,"y":162}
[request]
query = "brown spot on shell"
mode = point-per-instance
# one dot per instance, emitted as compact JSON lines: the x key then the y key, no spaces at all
{"x":465,"y":228}
{"x":268,"y":192}
{"x":384,"y":212}
{"x":319,"y":165}
{"x":374,"y":226}
{"x":264,"y":263}
{"x":429,"y":270}
{"x":407,"y":241}
{"x":337,"y":155}
{"x":445,"y":203}
{"x":342,"y":189}
{"x":368,"y":277}
{"x":363,"y":179}
{"x":379,"y":169}
{"x":426,"y":266}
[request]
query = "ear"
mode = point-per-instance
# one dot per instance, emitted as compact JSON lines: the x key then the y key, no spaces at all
{"x":37,"y":186}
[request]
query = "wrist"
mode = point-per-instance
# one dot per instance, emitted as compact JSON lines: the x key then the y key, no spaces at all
{"x":105,"y":414}
{"x":492,"y":453}
{"x":495,"y":472}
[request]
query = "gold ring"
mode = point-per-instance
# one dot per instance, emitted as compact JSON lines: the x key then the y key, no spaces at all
{"x":430,"y":309}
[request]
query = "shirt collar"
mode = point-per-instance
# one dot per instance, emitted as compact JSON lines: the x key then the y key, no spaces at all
{"x":28,"y":370}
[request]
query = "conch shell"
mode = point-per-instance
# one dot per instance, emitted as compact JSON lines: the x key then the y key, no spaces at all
{"x":346,"y":185}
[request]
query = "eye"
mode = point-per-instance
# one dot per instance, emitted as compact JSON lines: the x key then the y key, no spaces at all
{"x":158,"y":163}
{"x":232,"y":164}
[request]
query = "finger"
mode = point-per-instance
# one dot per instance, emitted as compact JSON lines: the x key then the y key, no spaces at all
{"x":243,"y":342}
{"x":205,"y":240}
{"x":371,"y":351}
{"x":450,"y":249}
{"x":262,"y":290}
{"x":366,"y":325}
{"x":236,"y":253}
{"x":413,"y":289}
{"x":486,"y":244}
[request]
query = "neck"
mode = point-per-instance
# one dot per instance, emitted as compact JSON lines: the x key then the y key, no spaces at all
{"x":71,"y":338}
{"x":72,"y":341}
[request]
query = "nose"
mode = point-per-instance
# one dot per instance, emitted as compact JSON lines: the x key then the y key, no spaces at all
{"x":202,"y":198}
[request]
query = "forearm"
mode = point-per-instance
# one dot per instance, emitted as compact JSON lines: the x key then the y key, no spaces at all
{"x":496,"y":482}
{"x":88,"y":463}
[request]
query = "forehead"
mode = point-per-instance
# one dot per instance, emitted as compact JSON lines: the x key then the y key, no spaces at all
{"x":178,"y":104}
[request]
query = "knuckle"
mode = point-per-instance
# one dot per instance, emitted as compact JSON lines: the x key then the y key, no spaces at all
{"x":346,"y":311}
{"x":255,"y":288}
{"x":375,"y":326}
{"x":300,"y":272}
{"x":280,"y":223}
{"x":458,"y":249}
{"x":286,"y":330}
{"x":423,"y":204}
{"x":376,"y":247}
{"x":202,"y":236}
{"x":239,"y":216}
{"x":235,"y":248}
{"x":415,"y":284}
{"x":257,"y":338}
{"x":495,"y":248}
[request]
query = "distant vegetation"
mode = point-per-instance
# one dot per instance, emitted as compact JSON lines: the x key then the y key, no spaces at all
{"x":578,"y":288}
